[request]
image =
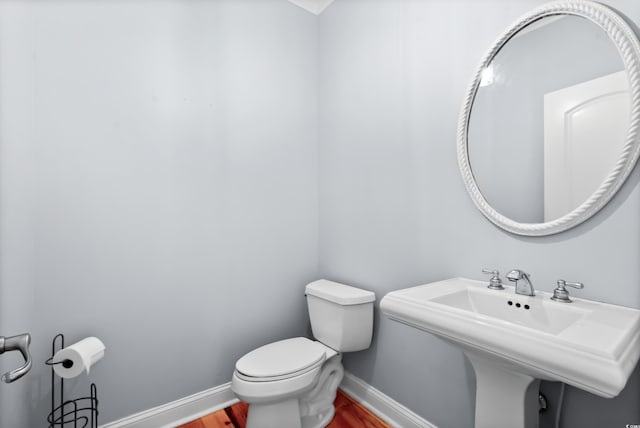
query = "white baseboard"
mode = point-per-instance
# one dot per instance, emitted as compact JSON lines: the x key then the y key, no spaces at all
{"x":386,"y":408}
{"x":202,"y":403}
{"x":180,"y":411}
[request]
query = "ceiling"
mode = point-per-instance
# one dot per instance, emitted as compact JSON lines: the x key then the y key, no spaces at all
{"x":313,"y":6}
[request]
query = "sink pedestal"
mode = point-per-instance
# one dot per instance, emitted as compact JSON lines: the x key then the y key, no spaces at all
{"x":504,"y":397}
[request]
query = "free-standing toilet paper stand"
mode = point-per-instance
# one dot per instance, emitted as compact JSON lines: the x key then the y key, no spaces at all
{"x":83,"y":411}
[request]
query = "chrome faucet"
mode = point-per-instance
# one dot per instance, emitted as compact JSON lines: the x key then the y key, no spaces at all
{"x":20,"y":343}
{"x":524,"y":286}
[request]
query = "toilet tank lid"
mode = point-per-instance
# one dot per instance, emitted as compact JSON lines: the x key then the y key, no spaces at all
{"x":339,"y":293}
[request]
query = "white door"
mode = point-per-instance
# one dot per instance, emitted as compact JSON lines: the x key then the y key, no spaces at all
{"x":585,"y":128}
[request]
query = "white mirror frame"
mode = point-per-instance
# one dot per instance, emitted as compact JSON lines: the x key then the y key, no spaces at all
{"x":628,"y":46}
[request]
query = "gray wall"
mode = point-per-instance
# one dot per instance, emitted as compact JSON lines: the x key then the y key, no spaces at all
{"x":158,"y":189}
{"x":394,"y":212}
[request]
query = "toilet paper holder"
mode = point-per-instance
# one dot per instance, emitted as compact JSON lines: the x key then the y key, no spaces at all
{"x":80,"y":410}
{"x":20,"y":343}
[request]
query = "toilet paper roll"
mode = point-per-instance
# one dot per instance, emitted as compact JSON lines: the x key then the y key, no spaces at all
{"x":79,"y":357}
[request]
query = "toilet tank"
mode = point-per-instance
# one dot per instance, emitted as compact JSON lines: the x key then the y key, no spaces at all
{"x":341,"y":316}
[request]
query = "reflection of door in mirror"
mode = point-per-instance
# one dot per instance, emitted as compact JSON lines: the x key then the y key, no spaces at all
{"x":585,"y":128}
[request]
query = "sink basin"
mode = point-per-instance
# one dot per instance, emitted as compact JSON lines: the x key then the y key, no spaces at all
{"x":538,"y":314}
{"x":522,"y":339}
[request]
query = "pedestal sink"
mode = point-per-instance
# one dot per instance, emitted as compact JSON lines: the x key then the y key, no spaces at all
{"x":514,"y":341}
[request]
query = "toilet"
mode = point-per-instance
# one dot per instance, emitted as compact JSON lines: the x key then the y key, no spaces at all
{"x":292,"y":383}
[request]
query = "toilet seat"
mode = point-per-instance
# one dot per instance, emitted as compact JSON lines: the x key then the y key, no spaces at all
{"x":281,"y":360}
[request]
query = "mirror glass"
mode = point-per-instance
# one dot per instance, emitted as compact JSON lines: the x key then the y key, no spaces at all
{"x":549,"y":119}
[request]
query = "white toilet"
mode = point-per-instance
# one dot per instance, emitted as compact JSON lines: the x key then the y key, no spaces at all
{"x":292,"y":383}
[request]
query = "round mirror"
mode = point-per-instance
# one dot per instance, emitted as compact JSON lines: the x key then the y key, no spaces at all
{"x":549,"y":127}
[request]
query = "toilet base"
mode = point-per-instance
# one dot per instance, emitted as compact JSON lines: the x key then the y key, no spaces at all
{"x":282,"y":414}
{"x":320,"y":420}
{"x":311,"y":409}
{"x":286,"y":414}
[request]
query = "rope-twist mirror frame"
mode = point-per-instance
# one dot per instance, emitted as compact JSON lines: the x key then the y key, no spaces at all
{"x":628,"y":46}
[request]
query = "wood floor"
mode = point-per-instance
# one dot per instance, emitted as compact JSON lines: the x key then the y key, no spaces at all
{"x":349,"y":414}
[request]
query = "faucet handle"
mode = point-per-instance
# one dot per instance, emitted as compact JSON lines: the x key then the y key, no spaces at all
{"x":560,"y":294}
{"x":562,"y":283}
{"x":495,"y":283}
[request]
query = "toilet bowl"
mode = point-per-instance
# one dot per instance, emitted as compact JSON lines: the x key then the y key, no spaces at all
{"x":292,"y":383}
